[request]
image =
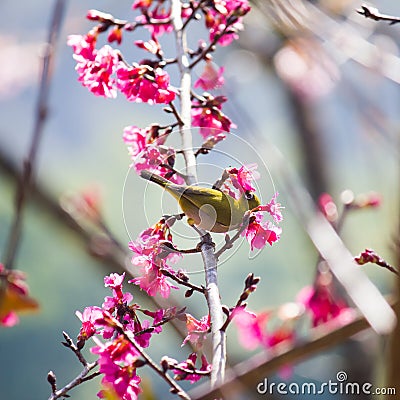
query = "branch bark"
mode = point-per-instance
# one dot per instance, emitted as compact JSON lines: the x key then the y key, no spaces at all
{"x":207,"y":246}
{"x":254,"y":370}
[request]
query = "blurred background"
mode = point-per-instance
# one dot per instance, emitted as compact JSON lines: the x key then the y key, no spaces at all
{"x":311,"y":80}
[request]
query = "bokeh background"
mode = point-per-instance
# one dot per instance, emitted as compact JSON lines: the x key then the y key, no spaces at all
{"x":313,"y":80}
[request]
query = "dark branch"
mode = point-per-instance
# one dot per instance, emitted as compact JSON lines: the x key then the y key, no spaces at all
{"x":248,"y":373}
{"x":373,"y":13}
{"x":24,"y":184}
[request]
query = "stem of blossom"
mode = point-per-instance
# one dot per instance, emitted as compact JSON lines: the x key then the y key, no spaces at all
{"x":129,"y":335}
{"x":82,"y":377}
{"x":182,"y":282}
{"x":229,"y":241}
{"x":194,"y":11}
{"x":218,"y":184}
{"x":210,"y":47}
{"x":207,"y":246}
{"x":25,"y":182}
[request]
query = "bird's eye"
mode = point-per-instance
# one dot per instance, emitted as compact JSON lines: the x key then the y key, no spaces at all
{"x":249,"y":196}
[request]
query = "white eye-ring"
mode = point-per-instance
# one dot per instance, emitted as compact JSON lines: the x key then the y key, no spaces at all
{"x":249,"y":196}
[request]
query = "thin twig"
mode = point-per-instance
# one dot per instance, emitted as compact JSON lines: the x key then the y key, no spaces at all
{"x":386,"y":265}
{"x":190,"y":371}
{"x":24,"y":184}
{"x":250,"y":285}
{"x":373,"y":13}
{"x":82,"y":377}
{"x":183,"y":282}
{"x":193,"y":14}
{"x":210,"y":47}
{"x":229,"y":241}
{"x":176,"y":114}
{"x":129,"y":335}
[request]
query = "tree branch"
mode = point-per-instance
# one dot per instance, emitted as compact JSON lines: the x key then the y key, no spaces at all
{"x":207,"y":246}
{"x":252,"y":371}
{"x":373,"y":13}
{"x":24,"y":184}
{"x":82,"y":377}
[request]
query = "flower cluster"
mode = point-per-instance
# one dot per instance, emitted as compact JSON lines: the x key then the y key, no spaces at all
{"x":105,"y":71}
{"x":258,"y":232}
{"x":118,"y":360}
{"x":320,"y":303}
{"x":143,"y":83}
{"x":153,"y":250}
{"x":256,"y":329}
{"x":208,"y":116}
{"x":147,"y":150}
{"x":224,"y":19}
{"x":120,"y":356}
{"x":323,"y":303}
{"x":95,"y":67}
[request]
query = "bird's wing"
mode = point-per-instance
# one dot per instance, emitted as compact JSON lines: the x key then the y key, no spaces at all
{"x":199,"y":197}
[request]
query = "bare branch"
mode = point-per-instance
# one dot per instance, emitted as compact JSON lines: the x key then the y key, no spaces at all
{"x":24,"y":184}
{"x":82,"y":377}
{"x":373,"y":13}
{"x":254,"y":370}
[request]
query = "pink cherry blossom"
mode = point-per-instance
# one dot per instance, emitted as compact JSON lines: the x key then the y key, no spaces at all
{"x":89,"y":317}
{"x":251,"y":327}
{"x":209,"y":117}
{"x":9,"y":320}
{"x":225,"y":19}
{"x":273,"y":208}
{"x":323,"y":303}
{"x":117,"y":362}
{"x":114,"y":281}
{"x":96,"y":74}
{"x":150,"y":255}
{"x":242,"y":178}
{"x":197,"y":330}
{"x":148,"y":152}
{"x":141,"y":83}
{"x":210,"y":78}
{"x":135,"y":138}
{"x":151,"y":241}
{"x":152,"y":281}
{"x":152,"y":46}
{"x":83,"y":46}
{"x":259,"y":233}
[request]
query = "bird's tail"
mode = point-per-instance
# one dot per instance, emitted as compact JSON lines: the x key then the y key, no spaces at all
{"x":154,"y":178}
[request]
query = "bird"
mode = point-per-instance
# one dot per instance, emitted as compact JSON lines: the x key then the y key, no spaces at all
{"x":206,"y":208}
